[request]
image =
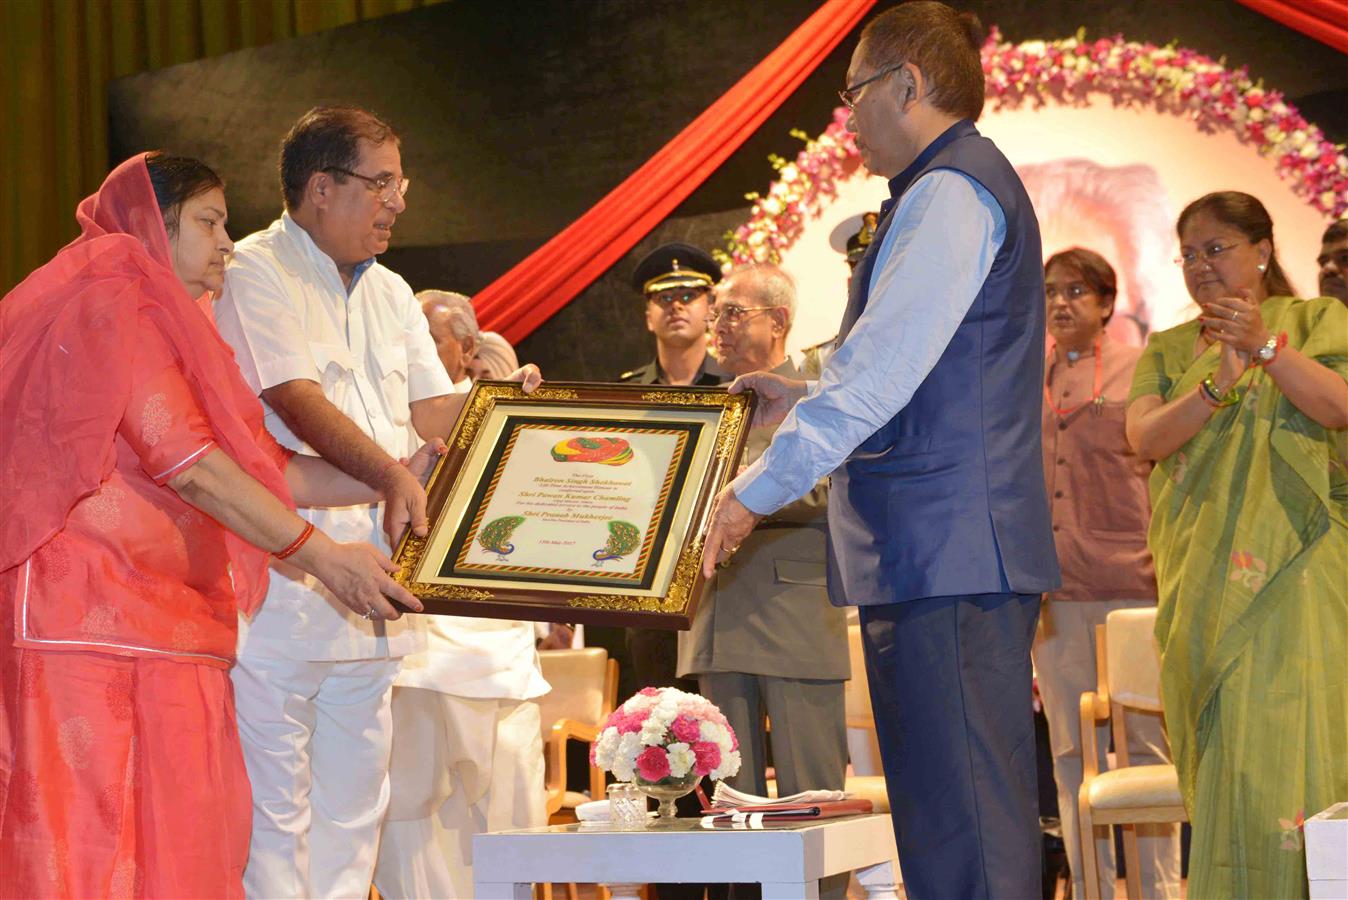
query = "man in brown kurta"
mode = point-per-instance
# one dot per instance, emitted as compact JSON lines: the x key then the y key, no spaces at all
{"x":1097,"y":490}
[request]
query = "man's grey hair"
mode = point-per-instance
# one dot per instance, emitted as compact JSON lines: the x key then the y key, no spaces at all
{"x":765,"y":285}
{"x":458,"y":311}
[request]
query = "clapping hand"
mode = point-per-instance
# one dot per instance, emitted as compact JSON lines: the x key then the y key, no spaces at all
{"x":1237,"y":324}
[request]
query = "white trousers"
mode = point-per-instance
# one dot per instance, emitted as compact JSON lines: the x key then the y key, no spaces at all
{"x":316,"y":740}
{"x":461,"y":766}
{"x":1064,"y":664}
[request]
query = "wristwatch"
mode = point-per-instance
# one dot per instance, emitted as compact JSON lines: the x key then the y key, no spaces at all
{"x":1266,"y":353}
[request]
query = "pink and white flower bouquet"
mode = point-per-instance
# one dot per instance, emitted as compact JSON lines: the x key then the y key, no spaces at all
{"x":664,"y":733}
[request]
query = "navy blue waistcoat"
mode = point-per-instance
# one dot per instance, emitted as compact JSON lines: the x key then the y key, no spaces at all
{"x":947,"y":498}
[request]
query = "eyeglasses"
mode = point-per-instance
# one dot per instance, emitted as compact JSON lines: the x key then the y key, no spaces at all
{"x":1074,"y":291}
{"x":849,"y":94}
{"x":668,"y":298}
{"x":1338,"y":257}
{"x":1189,"y":259}
{"x":734,"y":315}
{"x":384,"y":187}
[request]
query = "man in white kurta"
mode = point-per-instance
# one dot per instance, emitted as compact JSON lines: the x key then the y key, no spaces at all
{"x":467,"y":743}
{"x":338,"y":349}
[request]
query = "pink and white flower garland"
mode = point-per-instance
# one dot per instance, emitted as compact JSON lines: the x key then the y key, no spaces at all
{"x":1175,"y":79}
{"x":802,"y":189}
{"x":665,"y":733}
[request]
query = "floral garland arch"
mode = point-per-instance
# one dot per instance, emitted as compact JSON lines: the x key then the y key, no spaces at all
{"x":1172,"y":78}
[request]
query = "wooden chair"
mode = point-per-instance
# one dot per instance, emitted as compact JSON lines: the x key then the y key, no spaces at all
{"x":584,"y":692}
{"x":1128,"y":676}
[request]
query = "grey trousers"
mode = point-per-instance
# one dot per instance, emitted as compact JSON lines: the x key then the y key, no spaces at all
{"x":809,"y":737}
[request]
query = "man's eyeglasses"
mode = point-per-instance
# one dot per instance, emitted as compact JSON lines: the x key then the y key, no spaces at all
{"x":667,"y":299}
{"x":1338,"y":257}
{"x":1189,"y":259}
{"x":385,"y":188}
{"x":850,"y":96}
{"x":734,"y":315}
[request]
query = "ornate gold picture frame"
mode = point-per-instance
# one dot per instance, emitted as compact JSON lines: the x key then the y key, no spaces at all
{"x":580,"y":503}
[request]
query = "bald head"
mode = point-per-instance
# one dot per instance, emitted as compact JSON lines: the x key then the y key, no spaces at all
{"x":453,"y":327}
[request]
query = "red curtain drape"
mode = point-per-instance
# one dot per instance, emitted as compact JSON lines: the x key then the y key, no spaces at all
{"x":1324,"y":20}
{"x":545,"y":281}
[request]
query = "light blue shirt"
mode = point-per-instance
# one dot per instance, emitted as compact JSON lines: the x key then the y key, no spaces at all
{"x":932,"y":263}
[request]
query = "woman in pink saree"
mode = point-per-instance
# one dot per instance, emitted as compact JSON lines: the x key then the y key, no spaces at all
{"x":140,"y":501}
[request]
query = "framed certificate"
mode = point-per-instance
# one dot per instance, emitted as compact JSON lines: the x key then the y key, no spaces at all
{"x":576,"y":503}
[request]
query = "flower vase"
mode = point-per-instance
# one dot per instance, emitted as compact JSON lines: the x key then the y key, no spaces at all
{"x":666,"y":791}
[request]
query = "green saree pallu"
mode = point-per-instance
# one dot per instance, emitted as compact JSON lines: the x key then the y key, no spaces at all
{"x":1249,"y":531}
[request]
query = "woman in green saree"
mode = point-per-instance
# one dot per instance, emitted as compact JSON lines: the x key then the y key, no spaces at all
{"x":1244,"y":409}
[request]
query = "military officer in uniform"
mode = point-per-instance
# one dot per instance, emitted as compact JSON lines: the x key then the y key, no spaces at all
{"x":857,"y":243}
{"x":816,"y":356}
{"x":676,"y":281}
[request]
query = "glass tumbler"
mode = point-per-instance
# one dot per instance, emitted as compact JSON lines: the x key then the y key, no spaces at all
{"x":627,"y":807}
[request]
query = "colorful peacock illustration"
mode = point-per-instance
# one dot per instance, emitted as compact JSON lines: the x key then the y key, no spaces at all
{"x":495,"y":537}
{"x":623,"y":538}
{"x":603,"y":450}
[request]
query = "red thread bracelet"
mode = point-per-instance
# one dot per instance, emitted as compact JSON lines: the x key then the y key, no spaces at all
{"x":298,"y":542}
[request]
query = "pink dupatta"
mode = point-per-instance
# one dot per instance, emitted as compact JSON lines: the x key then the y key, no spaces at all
{"x":67,"y":338}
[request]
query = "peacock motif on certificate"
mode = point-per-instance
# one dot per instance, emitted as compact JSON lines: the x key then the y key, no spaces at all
{"x":623,"y":538}
{"x":495,"y":537}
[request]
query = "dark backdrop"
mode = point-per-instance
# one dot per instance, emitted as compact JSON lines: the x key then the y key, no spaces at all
{"x":517,"y":117}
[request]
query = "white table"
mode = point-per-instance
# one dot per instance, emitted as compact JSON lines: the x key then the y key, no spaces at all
{"x":1327,"y":853}
{"x":787,"y":860}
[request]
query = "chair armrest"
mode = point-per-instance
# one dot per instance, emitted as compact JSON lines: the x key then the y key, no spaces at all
{"x":1094,"y":709}
{"x":565,"y":729}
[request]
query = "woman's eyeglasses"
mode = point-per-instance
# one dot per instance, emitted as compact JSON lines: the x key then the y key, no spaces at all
{"x":1190,"y":259}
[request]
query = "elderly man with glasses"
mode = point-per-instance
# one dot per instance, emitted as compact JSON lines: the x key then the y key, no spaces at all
{"x":338,"y":349}
{"x":766,"y":643}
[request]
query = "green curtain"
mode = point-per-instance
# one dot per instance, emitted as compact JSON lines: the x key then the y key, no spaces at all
{"x":57,"y":58}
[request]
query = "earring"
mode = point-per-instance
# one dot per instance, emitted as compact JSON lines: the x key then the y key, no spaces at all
{"x":1261,"y":267}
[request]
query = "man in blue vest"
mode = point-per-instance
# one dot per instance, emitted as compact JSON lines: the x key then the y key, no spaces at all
{"x":927,"y":416}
